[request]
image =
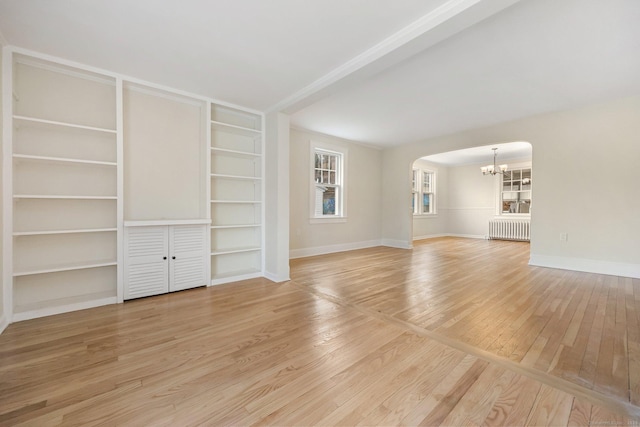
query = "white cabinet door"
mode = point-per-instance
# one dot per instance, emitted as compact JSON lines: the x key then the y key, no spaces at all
{"x":146,"y":270}
{"x":188,"y":250}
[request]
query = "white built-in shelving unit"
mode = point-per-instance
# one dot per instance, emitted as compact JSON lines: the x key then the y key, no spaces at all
{"x":236,"y":194}
{"x":64,"y":186}
{"x":77,"y":163}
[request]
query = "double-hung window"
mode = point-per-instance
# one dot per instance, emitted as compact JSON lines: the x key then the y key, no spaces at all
{"x":415,"y":192}
{"x":423,"y":192}
{"x":328,"y":191}
{"x":428,"y":192}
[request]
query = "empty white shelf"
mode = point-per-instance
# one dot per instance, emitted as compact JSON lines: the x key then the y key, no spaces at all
{"x":236,"y":129}
{"x":236,"y":152}
{"x":61,"y":124}
{"x":235,"y":251}
{"x":62,"y":160}
{"x":73,"y":231}
{"x":239,"y":177}
{"x":65,"y":267}
{"x":53,"y":196}
{"x":236,"y":226}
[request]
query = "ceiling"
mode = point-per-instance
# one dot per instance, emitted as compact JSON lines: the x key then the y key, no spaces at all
{"x":373,"y":71}
{"x":518,"y":150}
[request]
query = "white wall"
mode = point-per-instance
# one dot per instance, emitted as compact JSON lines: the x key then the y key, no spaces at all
{"x":3,"y":320}
{"x":363,"y":178}
{"x":584,"y":163}
{"x":164,"y":156}
{"x":433,"y":225}
{"x":276,"y":198}
{"x":471,"y":201}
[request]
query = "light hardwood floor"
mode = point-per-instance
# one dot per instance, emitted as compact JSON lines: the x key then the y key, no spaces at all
{"x":441,"y":335}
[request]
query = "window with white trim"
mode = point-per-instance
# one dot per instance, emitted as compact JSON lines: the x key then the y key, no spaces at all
{"x":328,"y":183}
{"x":424,"y":192}
{"x":515,"y":191}
{"x":415,"y":192}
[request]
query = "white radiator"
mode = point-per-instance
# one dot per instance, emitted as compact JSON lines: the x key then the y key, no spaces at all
{"x":510,"y":229}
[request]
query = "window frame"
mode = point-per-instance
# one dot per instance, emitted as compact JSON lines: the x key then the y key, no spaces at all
{"x":415,"y":191}
{"x":418,"y":192}
{"x":500,"y":191}
{"x":340,"y":184}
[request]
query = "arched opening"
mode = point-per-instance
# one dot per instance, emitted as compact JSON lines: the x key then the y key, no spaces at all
{"x":460,"y":193}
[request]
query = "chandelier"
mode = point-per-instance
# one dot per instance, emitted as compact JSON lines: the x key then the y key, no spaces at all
{"x":494,"y":169}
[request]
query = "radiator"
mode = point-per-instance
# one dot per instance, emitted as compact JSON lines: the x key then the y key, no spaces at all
{"x":510,"y":229}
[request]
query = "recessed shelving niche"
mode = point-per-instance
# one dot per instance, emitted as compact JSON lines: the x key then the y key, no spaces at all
{"x":236,"y":194}
{"x":65,"y":188}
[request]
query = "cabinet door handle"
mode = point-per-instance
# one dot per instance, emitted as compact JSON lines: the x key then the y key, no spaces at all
{"x":164,"y":257}
{"x":173,"y":257}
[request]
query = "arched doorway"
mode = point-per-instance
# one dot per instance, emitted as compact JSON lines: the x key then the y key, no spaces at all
{"x":452,"y":197}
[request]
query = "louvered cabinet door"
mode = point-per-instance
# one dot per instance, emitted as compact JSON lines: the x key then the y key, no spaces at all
{"x":187,"y":264}
{"x":146,"y":269}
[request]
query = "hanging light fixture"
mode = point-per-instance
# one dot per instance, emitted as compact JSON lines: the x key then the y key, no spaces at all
{"x":493,"y":169}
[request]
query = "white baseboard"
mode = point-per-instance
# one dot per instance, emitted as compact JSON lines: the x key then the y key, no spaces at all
{"x":469,"y":236}
{"x":466,"y":236}
{"x":50,"y":311}
{"x":276,"y":278}
{"x":430,"y":236}
{"x":400,"y":244}
{"x":586,"y":265}
{"x":237,"y":278}
{"x":4,"y":322}
{"x":322,"y":250}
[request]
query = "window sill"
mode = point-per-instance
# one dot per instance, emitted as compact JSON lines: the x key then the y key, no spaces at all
{"x":426,"y":216}
{"x":513,"y":215}
{"x":328,"y":220}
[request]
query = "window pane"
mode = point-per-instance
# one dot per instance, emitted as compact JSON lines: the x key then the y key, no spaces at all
{"x":426,"y":203}
{"x":329,"y":202}
{"x":318,"y":161}
{"x":332,"y":177}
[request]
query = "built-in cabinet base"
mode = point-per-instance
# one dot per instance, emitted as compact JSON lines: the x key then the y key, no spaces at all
{"x":164,"y":258}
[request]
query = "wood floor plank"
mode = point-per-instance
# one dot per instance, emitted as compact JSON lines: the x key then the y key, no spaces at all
{"x":552,"y":408}
{"x":475,"y":405}
{"x":580,"y":413}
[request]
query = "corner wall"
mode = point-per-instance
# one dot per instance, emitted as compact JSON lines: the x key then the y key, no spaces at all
{"x":277,"y":197}
{"x":363,"y":181}
{"x":3,"y":320}
{"x":585,"y":184}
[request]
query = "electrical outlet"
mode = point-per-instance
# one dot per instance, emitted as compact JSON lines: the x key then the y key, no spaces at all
{"x":564,"y":237}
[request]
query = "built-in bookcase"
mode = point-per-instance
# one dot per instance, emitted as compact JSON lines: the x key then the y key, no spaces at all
{"x":78,"y":148}
{"x":236,"y":194}
{"x":64,"y":187}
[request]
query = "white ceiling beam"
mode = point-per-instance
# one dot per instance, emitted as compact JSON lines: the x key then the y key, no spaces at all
{"x":441,"y":23}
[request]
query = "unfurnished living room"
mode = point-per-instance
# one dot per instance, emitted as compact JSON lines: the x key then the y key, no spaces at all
{"x":305,"y":212}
